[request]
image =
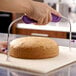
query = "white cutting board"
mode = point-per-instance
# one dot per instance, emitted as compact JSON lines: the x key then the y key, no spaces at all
{"x":41,"y":66}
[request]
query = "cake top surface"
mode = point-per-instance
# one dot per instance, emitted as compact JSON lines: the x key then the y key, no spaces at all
{"x":32,"y":41}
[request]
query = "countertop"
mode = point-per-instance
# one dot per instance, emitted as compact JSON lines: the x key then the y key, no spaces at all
{"x":61,"y":26}
{"x":66,"y":71}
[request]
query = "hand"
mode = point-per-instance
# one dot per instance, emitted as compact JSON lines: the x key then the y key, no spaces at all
{"x":38,"y":11}
{"x":3,"y":46}
{"x":41,"y":13}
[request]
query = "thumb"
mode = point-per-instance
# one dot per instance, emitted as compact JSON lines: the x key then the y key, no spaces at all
{"x":55,"y":12}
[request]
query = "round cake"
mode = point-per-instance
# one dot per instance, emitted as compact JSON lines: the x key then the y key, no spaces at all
{"x":33,"y":48}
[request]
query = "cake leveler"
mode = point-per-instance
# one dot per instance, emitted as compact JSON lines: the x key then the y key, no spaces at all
{"x":27,"y":20}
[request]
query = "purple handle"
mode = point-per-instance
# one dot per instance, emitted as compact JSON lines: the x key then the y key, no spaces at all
{"x":55,"y":18}
{"x":27,"y":20}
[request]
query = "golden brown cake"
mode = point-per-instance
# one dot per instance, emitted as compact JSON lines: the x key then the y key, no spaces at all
{"x":33,"y":48}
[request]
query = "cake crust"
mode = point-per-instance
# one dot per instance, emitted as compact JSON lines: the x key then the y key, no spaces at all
{"x":33,"y":48}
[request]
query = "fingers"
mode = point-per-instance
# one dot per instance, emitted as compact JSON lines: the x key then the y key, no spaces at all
{"x":3,"y":47}
{"x":47,"y":19}
{"x":40,"y":21}
{"x":44,"y":19}
{"x":3,"y":43}
{"x":3,"y":50}
{"x":42,"y":13}
{"x":55,"y":12}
